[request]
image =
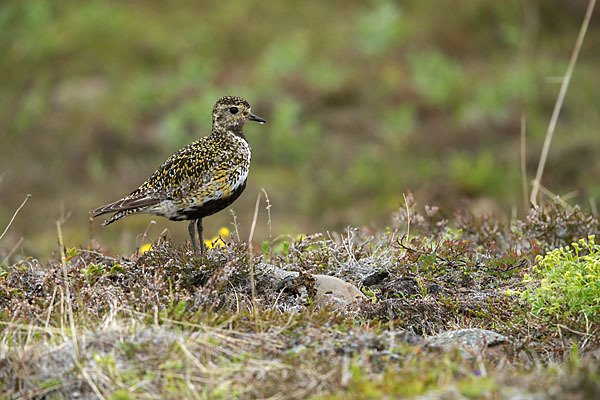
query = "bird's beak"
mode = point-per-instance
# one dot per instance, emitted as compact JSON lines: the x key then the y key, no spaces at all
{"x":256,"y":118}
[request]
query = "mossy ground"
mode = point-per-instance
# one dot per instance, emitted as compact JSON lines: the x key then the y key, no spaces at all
{"x":167,"y":324}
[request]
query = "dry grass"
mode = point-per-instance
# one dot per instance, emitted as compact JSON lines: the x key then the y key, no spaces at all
{"x":559,"y":102}
{"x":168,"y":325}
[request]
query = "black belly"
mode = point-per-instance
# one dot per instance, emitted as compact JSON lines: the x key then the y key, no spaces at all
{"x":210,"y":207}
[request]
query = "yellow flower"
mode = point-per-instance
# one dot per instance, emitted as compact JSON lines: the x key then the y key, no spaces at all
{"x":217,"y":241}
{"x":223,"y":232}
{"x":145,"y":247}
{"x":214,"y":242}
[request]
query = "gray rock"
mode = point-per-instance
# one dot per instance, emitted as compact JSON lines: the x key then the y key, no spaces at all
{"x":336,"y":289}
{"x":470,"y":342}
{"x":329,"y":289}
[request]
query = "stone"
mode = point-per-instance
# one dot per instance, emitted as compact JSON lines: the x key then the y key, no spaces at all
{"x":470,"y":342}
{"x":329,"y":289}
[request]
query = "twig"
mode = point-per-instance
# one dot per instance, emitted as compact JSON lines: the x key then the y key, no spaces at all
{"x":268,"y":208}
{"x":570,"y":195}
{"x":584,"y":334}
{"x":348,"y":248}
{"x":235,"y":224}
{"x":523,"y":162}
{"x":97,"y":253}
{"x":152,"y":222}
{"x":63,"y":261}
{"x":559,"y":102}
{"x":10,"y":253}
{"x":593,"y":207}
{"x":562,"y":202}
{"x":250,"y":252}
{"x":408,"y":248}
{"x":14,"y":215}
{"x":191,"y":357}
{"x":407,"y":216}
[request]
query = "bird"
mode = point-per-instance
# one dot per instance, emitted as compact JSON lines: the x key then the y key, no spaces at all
{"x":198,"y":180}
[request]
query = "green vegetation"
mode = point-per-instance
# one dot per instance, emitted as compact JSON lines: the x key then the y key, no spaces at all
{"x":366,"y":102}
{"x":171,"y":325}
{"x":569,"y":284}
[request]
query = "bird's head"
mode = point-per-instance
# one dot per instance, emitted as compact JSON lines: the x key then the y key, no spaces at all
{"x":231,"y":113}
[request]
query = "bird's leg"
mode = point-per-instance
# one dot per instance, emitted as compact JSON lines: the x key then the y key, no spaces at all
{"x":200,"y":229}
{"x":193,"y":236}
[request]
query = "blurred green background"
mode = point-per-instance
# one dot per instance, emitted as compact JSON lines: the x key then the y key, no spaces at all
{"x":365,"y":100}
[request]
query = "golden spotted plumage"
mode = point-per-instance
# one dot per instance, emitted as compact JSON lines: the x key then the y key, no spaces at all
{"x":200,"y":179}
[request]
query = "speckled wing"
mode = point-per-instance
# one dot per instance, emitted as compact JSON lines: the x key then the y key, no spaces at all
{"x":196,"y":174}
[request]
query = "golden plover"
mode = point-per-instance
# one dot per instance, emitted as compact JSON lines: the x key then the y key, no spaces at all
{"x":200,"y":179}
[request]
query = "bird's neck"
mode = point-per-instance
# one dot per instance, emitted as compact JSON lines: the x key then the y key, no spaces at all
{"x":234,"y":130}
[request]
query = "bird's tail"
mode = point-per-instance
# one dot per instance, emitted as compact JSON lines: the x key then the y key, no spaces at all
{"x":117,"y":216}
{"x":124,"y":207}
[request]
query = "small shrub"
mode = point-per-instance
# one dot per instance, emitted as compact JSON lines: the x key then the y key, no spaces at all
{"x":553,"y":225}
{"x":569,"y":284}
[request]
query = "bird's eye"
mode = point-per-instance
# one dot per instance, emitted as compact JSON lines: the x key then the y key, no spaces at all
{"x":233,"y":110}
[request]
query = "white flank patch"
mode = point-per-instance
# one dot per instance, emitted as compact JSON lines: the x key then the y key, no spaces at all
{"x":166,"y":208}
{"x":242,"y":173}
